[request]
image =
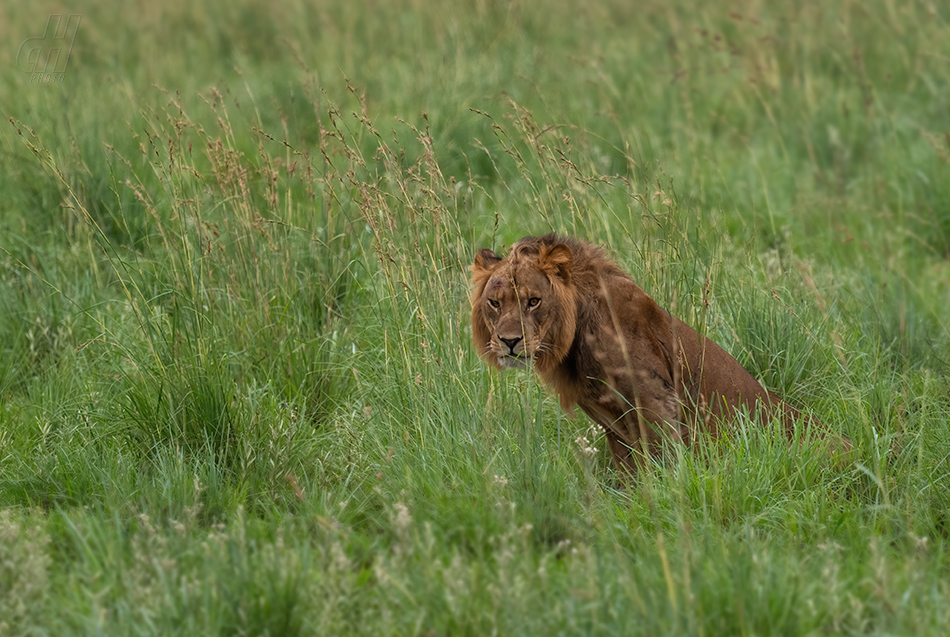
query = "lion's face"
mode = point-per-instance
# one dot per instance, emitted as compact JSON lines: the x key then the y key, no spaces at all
{"x":523,"y":307}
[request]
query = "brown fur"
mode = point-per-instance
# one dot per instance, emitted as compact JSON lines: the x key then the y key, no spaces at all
{"x":603,"y":344}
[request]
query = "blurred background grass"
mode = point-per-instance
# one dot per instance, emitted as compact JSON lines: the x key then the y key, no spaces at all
{"x":237,"y":392}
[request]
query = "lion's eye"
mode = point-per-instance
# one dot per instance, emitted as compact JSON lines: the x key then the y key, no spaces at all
{"x":533,"y":302}
{"x":495,"y":304}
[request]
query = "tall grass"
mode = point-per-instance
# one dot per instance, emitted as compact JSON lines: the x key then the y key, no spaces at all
{"x":236,"y":385}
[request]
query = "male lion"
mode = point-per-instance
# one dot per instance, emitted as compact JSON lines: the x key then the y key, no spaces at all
{"x":603,"y":344}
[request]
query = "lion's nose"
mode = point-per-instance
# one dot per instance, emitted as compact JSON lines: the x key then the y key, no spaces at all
{"x":510,"y":342}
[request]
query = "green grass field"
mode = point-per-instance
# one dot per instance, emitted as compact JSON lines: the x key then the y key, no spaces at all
{"x":237,"y":389}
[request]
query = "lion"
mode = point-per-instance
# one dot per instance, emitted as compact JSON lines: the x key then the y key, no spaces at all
{"x":641,"y":374}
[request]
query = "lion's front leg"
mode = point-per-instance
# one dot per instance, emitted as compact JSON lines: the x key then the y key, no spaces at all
{"x":626,"y":458}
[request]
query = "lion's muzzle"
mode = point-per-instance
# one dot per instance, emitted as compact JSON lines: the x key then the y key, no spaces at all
{"x":512,"y":344}
{"x":513,"y":352}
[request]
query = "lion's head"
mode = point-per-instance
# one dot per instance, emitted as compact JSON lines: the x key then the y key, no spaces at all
{"x":524,"y":306}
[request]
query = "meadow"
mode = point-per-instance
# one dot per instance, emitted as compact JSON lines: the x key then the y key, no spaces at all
{"x":237,"y":389}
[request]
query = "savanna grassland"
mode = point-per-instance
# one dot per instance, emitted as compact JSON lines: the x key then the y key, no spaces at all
{"x":237,"y":389}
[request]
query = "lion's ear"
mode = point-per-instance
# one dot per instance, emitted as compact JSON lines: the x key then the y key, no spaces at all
{"x":485,"y":261}
{"x":557,"y":260}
